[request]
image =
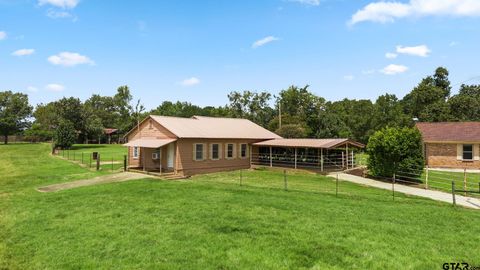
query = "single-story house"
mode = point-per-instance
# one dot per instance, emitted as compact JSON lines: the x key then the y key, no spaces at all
{"x":188,"y":146}
{"x":451,"y":144}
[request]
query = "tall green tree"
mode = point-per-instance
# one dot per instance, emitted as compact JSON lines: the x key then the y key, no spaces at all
{"x":14,"y":113}
{"x":429,"y":98}
{"x":251,"y":105}
{"x":465,"y":106}
{"x":388,"y":112}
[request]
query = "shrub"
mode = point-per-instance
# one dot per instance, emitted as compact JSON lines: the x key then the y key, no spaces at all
{"x":395,"y":149}
{"x":65,"y":135}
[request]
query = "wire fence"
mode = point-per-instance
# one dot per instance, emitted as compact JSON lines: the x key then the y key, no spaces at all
{"x":466,"y":182}
{"x":300,"y":181}
{"x":337,"y":162}
{"x":101,"y":161}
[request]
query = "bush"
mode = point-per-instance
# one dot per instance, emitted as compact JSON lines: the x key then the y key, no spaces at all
{"x":65,"y":135}
{"x":36,"y":134}
{"x":395,"y":149}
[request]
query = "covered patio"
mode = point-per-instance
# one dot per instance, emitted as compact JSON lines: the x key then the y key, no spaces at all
{"x":151,"y":155}
{"x":312,"y":154}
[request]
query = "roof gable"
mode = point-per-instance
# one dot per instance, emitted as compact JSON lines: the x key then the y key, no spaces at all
{"x":214,"y":127}
{"x":450,"y":131}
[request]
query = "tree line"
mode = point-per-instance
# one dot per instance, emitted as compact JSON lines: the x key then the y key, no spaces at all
{"x":293,"y":112}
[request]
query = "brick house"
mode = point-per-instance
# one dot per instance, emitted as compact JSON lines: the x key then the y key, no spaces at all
{"x":451,"y":144}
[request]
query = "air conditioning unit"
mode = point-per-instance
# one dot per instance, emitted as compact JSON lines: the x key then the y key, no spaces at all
{"x":155,"y":156}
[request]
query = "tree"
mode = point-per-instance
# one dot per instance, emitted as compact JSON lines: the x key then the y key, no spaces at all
{"x":251,"y":105}
{"x":356,"y":115}
{"x":291,"y":131}
{"x":465,"y":106}
{"x":388,"y":112}
{"x":65,"y":135}
{"x":395,"y":149}
{"x":429,"y":96}
{"x":14,"y":113}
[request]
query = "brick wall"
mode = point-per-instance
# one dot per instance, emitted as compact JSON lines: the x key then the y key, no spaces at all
{"x":446,"y":155}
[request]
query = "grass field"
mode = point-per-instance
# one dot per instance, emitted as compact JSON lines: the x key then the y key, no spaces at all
{"x":111,"y":155}
{"x":211,"y":222}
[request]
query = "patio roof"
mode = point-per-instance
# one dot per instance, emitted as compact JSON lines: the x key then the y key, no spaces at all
{"x":150,"y":143}
{"x":310,"y":143}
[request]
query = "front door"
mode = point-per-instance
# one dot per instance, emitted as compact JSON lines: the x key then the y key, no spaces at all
{"x":170,"y":155}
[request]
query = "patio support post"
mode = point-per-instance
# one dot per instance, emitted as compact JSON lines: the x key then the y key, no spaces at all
{"x":295,"y":158}
{"x":271,"y":162}
{"x":160,"y":159}
{"x":343,"y":160}
{"x":353,"y":160}
{"x":346,"y":153}
{"x":321,"y":159}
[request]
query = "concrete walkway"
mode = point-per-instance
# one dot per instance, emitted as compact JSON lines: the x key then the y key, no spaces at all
{"x":111,"y":178}
{"x":431,"y":194}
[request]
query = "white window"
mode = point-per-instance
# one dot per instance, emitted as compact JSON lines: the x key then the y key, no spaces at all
{"x":198,"y":151}
{"x":135,"y":152}
{"x":230,"y":151}
{"x":467,"y":153}
{"x":243,"y":150}
{"x":215,"y":151}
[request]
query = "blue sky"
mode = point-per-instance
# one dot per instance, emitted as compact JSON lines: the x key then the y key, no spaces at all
{"x":199,"y":51}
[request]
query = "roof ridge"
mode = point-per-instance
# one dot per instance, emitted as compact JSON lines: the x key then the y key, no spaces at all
{"x":220,"y":117}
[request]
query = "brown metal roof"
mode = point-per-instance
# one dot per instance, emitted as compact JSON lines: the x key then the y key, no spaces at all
{"x":309,"y":143}
{"x":150,"y":143}
{"x":450,"y":131}
{"x":214,"y":127}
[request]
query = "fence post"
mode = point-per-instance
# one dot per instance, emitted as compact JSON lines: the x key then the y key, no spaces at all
{"x":393,"y":186}
{"x":98,"y":161}
{"x":426,"y":178}
{"x":336,"y":186}
{"x":124,"y":163}
{"x":90,"y":160}
{"x":73,"y":156}
{"x":112,"y":163}
{"x":453,"y":193}
{"x":465,"y":181}
{"x":82,"y":157}
{"x":68,"y":154}
{"x":285,"y":179}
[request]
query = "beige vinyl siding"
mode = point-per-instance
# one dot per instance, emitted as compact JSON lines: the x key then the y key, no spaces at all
{"x":187,"y":166}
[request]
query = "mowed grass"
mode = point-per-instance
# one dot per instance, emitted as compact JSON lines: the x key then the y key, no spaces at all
{"x":111,"y":155}
{"x":211,"y":222}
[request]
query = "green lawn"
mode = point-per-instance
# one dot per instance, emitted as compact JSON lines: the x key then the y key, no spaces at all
{"x":111,"y":155}
{"x":211,"y":222}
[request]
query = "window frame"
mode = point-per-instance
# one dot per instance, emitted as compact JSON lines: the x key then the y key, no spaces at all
{"x":470,"y":151}
{"x":195,"y":151}
{"x":219,"y":151}
{"x":227,"y":150}
{"x":241,"y":151}
{"x":135,"y":152}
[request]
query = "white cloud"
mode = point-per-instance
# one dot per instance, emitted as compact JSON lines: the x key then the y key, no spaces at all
{"x":307,"y":2}
{"x":55,"y":87}
{"x":190,"y":81}
{"x":421,"y":50}
{"x":348,"y":77}
{"x":69,"y":59}
{"x":264,"y":41}
{"x":65,"y":4}
{"x":368,"y":72}
{"x":32,"y":89}
{"x":453,"y":44}
{"x":3,"y":35}
{"x":383,"y":12}
{"x":393,"y":69}
{"x":390,"y":55}
{"x":55,"y":14}
{"x":23,"y":52}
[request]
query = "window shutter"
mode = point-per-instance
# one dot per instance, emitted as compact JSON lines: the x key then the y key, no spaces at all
{"x":476,"y":152}
{"x":459,"y":151}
